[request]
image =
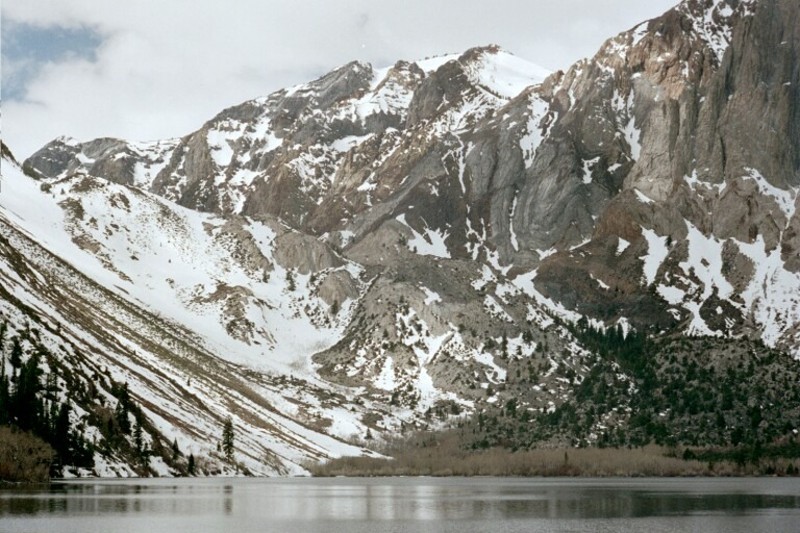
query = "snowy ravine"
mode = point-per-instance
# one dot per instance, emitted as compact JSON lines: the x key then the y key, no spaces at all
{"x":180,"y":365}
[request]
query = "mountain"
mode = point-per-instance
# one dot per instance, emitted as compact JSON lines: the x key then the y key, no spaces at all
{"x":381,"y":249}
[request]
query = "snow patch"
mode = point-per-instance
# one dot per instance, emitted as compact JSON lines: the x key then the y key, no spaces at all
{"x":535,"y":129}
{"x":642,"y":197}
{"x":657,"y":251}
{"x":671,"y":295}
{"x":544,"y":254}
{"x":504,"y":74}
{"x":513,"y":236}
{"x":786,"y":200}
{"x":431,"y":64}
{"x":773,"y":295}
{"x":622,"y":245}
{"x":431,"y":297}
{"x":633,"y":136}
{"x":600,"y":282}
{"x":345,"y":144}
{"x":694,"y":183}
{"x":705,"y":261}
{"x":524,"y":282}
{"x":588,"y":165}
{"x":220,"y":144}
{"x":386,"y":379}
{"x":431,"y":243}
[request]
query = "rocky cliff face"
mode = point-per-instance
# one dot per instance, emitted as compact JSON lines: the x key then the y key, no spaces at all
{"x":709,"y":198}
{"x":447,"y":217}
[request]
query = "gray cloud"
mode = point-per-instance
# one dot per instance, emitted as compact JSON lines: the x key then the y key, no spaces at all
{"x":165,"y":67}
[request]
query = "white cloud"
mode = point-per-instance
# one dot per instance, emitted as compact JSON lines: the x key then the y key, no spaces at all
{"x":164,"y":68}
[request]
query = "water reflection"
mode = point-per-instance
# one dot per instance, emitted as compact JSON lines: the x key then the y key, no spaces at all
{"x":410,"y":504}
{"x":228,"y":501}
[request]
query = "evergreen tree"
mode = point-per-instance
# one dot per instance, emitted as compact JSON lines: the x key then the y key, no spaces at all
{"x":3,"y":330}
{"x":81,"y":452}
{"x":121,"y":416}
{"x":227,"y":439}
{"x":190,"y":465}
{"x":26,"y":407}
{"x":16,"y":357}
{"x":5,"y":400}
{"x":138,"y":441}
{"x":122,"y":410}
{"x":61,"y":436}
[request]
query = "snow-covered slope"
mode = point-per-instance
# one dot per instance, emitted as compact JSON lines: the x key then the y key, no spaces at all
{"x":123,"y":284}
{"x":203,"y":315}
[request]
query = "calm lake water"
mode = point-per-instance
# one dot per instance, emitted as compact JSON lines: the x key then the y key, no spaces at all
{"x":351,"y":505}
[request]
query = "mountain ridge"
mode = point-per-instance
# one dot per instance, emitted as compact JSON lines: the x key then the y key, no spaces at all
{"x":426,"y":236}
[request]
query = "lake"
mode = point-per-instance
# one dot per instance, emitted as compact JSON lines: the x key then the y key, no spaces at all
{"x":352,"y":505}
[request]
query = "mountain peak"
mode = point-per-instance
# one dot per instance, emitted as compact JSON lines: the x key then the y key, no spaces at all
{"x":713,"y":20}
{"x":500,"y":71}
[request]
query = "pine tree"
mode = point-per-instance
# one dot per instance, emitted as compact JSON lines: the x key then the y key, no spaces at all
{"x":26,"y":408}
{"x":121,"y":416}
{"x":5,"y":400}
{"x":61,"y":437}
{"x":190,"y":465}
{"x":138,"y":442}
{"x":123,"y":409}
{"x":227,"y":439}
{"x":16,"y":358}
{"x":3,"y":329}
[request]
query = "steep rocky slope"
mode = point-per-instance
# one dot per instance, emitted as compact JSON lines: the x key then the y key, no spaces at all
{"x":420,"y":236}
{"x":709,"y":201}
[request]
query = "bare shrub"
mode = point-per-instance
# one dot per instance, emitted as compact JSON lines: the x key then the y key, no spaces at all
{"x":24,"y":457}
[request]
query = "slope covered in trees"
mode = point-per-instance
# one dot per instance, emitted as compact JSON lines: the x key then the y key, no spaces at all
{"x":737,"y":397}
{"x":30,"y":403}
{"x":45,"y":408}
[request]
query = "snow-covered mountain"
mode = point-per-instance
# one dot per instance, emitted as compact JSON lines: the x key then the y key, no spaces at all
{"x":383,"y":248}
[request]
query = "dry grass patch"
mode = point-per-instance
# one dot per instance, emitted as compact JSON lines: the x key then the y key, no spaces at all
{"x":441,"y":455}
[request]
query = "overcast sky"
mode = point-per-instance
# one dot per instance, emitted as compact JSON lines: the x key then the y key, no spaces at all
{"x":150,"y":69}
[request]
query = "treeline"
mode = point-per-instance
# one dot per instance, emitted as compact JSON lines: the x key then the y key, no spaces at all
{"x":732,"y":400}
{"x":30,"y":403}
{"x":629,"y":350}
{"x":70,"y":411}
{"x":646,"y":405}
